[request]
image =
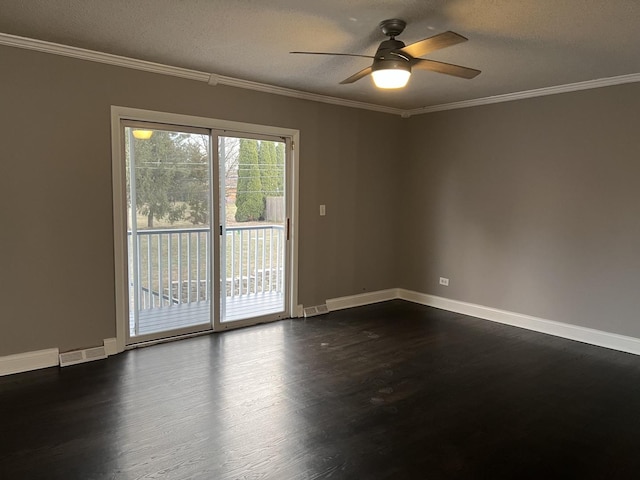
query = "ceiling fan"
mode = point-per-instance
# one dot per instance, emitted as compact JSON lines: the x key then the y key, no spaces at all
{"x":393,"y":61}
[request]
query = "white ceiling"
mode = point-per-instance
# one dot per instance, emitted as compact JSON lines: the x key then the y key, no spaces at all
{"x":519,"y":45}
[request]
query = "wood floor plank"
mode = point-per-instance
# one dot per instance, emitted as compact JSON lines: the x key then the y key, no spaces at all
{"x":393,"y":390}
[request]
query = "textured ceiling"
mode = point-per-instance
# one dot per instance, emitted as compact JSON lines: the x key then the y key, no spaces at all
{"x":518,"y":44}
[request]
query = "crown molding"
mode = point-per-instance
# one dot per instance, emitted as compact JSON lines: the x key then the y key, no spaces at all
{"x":93,"y":56}
{"x":213,"y":79}
{"x":538,"y":92}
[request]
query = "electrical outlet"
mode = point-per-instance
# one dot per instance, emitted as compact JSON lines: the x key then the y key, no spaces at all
{"x":444,"y":281}
{"x":323,"y":210}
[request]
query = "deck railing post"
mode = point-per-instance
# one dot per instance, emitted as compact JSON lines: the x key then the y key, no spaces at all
{"x":169,"y":268}
{"x":149,"y":273}
{"x":188,"y":267}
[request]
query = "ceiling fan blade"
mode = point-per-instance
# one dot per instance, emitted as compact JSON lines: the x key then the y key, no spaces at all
{"x":357,"y":76}
{"x":338,"y":54}
{"x":448,"y":68}
{"x":442,"y":40}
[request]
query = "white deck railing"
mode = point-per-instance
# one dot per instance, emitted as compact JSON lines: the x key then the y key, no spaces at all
{"x":172,"y":266}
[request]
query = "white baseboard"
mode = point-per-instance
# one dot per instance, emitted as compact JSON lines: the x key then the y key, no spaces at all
{"x":359,"y":300}
{"x":572,"y":332}
{"x":23,"y":362}
{"x":558,"y":329}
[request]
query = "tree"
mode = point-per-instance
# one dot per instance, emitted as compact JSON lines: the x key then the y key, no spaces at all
{"x":228,"y":150}
{"x":196,"y":185}
{"x":268,"y":168}
{"x":249,"y":196}
{"x":280,"y":169}
{"x":157,"y":173}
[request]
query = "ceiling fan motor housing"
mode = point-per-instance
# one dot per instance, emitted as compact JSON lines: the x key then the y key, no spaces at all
{"x":388,"y":46}
{"x":385,"y":60}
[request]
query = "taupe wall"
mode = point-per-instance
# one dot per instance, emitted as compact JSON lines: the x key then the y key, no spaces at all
{"x":530,"y":206}
{"x":56,"y":240}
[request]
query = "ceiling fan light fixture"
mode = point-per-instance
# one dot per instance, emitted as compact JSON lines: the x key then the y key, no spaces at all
{"x":142,"y":134}
{"x":389,"y":78}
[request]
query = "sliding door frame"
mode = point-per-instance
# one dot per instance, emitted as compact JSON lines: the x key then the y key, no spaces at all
{"x":125,"y":114}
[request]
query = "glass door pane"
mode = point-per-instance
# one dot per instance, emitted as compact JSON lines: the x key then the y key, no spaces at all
{"x":169,"y":231}
{"x":254,"y":221}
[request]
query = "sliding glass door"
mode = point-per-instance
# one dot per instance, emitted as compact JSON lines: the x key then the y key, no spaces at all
{"x":169,"y":230}
{"x":208,"y":240}
{"x":253,"y":212}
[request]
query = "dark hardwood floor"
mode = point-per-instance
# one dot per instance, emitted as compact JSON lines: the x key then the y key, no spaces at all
{"x":393,"y":390}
